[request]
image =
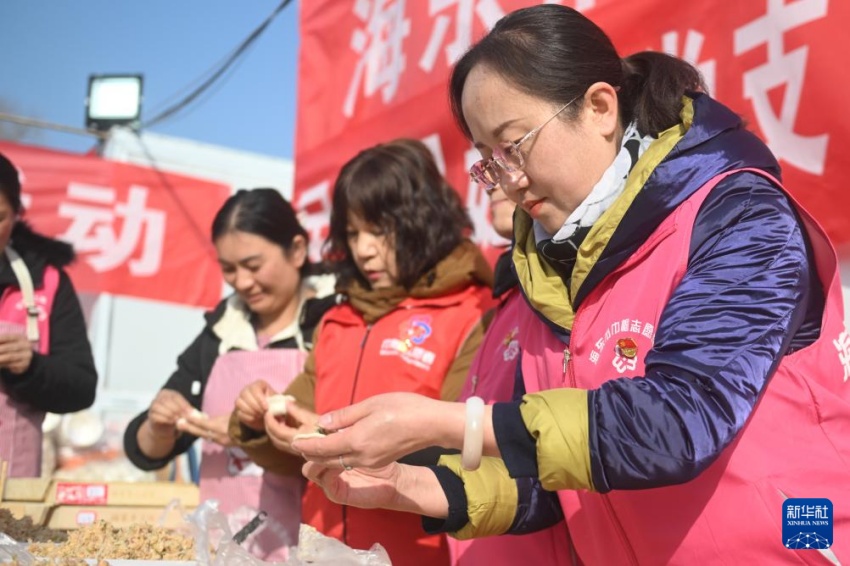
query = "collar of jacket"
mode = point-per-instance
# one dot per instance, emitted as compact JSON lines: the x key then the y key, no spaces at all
{"x":464,"y":267}
{"x":504,"y":277}
{"x":37,"y":251}
{"x":541,"y":284}
{"x":236,"y":330}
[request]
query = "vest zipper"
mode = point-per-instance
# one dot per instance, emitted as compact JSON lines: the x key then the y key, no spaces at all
{"x":351,"y":402}
{"x":619,"y":528}
{"x":359,"y":361}
{"x":567,"y":357}
{"x":485,"y":345}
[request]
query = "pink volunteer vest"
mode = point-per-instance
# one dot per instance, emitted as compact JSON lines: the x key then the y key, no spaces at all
{"x":228,"y":475}
{"x":491,"y":377}
{"x":20,"y":424}
{"x":731,"y":513}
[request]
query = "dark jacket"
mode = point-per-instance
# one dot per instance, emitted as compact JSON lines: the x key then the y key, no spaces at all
{"x":195,"y":365}
{"x":64,"y":380}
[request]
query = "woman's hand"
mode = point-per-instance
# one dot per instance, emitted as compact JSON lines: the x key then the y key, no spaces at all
{"x":158,"y":433}
{"x":251,"y":405}
{"x":283,"y":428}
{"x":361,"y":487}
{"x":15,"y":353}
{"x":199,"y":424}
{"x":383,"y":428}
{"x":398,"y":487}
{"x":166,"y":409}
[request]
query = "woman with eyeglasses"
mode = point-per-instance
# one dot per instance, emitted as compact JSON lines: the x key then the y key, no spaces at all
{"x":413,"y":292}
{"x":682,"y":353}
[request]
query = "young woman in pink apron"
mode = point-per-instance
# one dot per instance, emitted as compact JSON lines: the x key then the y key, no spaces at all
{"x":262,"y":331}
{"x":45,"y":358}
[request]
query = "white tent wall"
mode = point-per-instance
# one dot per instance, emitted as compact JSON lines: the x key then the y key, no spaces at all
{"x":135,"y":341}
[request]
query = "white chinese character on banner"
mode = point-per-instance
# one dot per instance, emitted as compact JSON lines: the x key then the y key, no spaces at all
{"x":94,"y":211}
{"x":26,"y":200}
{"x":782,"y":69}
{"x":580,"y":5}
{"x":379,"y":45}
{"x":478,"y":206}
{"x":843,"y":347}
{"x":435,"y":145}
{"x":488,"y":11}
{"x":691,"y":53}
{"x":314,"y":205}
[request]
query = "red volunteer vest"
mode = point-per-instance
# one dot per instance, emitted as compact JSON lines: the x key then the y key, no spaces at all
{"x":409,"y":349}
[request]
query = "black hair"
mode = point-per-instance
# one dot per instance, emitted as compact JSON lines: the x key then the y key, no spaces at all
{"x":10,"y":183}
{"x":24,"y":238}
{"x":556,"y":53}
{"x":397,"y":187}
{"x":265,"y":213}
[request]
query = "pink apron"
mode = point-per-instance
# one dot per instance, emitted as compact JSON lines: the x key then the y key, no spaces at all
{"x":20,"y":424}
{"x":227,"y":474}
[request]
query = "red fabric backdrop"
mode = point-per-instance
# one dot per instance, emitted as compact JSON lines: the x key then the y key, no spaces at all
{"x":373,"y":70}
{"x":137,"y":231}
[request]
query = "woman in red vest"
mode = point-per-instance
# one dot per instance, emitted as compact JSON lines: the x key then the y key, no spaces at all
{"x":413,"y":293}
{"x":684,"y":356}
{"x":46,"y":362}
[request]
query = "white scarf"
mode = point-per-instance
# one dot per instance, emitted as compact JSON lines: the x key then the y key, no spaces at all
{"x":606,"y":190}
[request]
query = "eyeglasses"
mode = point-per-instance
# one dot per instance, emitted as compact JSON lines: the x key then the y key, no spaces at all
{"x":506,"y":158}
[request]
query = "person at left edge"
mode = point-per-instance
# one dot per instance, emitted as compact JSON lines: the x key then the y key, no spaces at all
{"x":263,"y":330}
{"x":46,"y":362}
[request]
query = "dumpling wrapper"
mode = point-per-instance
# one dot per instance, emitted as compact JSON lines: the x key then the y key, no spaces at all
{"x":277,"y":404}
{"x":316,"y":434}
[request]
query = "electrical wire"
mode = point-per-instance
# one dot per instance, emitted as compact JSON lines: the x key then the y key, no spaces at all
{"x":190,"y":220}
{"x":34,"y":123}
{"x":220,"y":71}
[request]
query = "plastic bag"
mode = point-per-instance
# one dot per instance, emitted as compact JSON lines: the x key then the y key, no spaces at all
{"x":212,"y":530}
{"x":10,"y":550}
{"x":315,"y":548}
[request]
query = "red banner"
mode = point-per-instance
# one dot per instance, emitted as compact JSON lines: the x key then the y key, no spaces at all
{"x":137,"y":231}
{"x":373,"y":70}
